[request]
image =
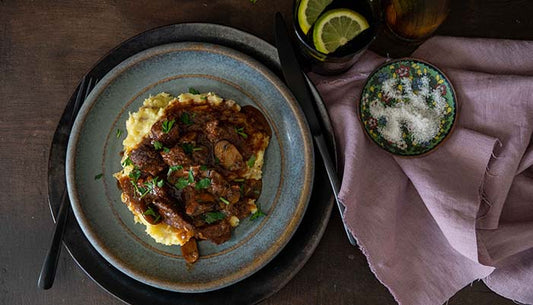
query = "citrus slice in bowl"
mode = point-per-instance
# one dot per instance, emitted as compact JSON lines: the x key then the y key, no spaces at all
{"x":337,"y":27}
{"x":308,"y":12}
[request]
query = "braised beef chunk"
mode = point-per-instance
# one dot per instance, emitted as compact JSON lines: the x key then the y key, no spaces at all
{"x":256,"y":119}
{"x":218,"y":232}
{"x":172,"y":215}
{"x":252,"y":188}
{"x":220,"y":187}
{"x":132,"y":198}
{"x":176,"y":156}
{"x":198,"y":202}
{"x":147,"y":159}
{"x":165,"y":131}
{"x":228,"y":155}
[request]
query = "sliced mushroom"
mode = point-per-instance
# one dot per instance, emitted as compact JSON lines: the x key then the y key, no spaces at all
{"x":229,"y":156}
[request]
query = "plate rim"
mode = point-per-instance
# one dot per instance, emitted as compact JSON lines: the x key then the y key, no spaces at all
{"x":247,"y":270}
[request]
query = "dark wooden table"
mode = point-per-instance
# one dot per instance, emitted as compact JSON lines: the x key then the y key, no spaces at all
{"x":45,"y":48}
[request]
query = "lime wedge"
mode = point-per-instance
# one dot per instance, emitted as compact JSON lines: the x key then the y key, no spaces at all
{"x":308,"y":12}
{"x":336,"y":27}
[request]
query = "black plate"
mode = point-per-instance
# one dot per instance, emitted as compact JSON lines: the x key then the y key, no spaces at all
{"x":260,"y":285}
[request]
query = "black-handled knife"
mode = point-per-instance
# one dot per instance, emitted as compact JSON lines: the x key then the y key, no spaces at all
{"x":295,"y":80}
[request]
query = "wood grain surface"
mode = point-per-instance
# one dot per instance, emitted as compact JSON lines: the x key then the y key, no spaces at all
{"x":46,"y":47}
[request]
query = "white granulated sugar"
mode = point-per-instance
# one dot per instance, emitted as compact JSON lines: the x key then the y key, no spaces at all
{"x":412,"y":110}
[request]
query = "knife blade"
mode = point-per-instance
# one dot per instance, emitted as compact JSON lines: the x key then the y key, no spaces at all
{"x":295,"y":80}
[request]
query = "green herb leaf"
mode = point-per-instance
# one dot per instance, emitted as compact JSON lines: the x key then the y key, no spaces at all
{"x":193,"y":91}
{"x":166,"y":149}
{"x":253,"y":1}
{"x":98,"y":177}
{"x":187,"y":148}
{"x":217,"y":160}
{"x":203,"y":167}
{"x":182,"y":183}
{"x":251,"y":161}
{"x":197,"y":149}
{"x":156,"y":181}
{"x":203,"y":183}
{"x":238,"y":180}
{"x":140,"y":190}
{"x":186,"y":118}
{"x":174,"y":168}
{"x":257,"y":213}
{"x":191,"y":177}
{"x":167,"y":125}
{"x":158,"y":145}
{"x":119,"y":133}
{"x":152,"y":213}
{"x":127,"y":162}
{"x":223,"y":200}
{"x":214,"y":216}
{"x":204,"y":98}
{"x":240,"y":131}
{"x":135,"y":174}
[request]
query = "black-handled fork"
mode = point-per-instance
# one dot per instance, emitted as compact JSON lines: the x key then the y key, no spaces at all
{"x":48,"y":270}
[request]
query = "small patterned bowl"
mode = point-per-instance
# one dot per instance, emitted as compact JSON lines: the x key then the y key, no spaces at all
{"x":408,"y":107}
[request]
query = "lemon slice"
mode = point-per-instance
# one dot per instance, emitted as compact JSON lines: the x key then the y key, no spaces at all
{"x":336,"y":27}
{"x":308,"y":12}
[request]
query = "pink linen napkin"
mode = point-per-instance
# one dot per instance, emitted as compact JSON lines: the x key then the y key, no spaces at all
{"x":431,"y":225}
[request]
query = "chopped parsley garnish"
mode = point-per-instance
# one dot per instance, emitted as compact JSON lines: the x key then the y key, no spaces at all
{"x":166,"y":149}
{"x":187,"y":148}
{"x":203,"y":183}
{"x":253,"y":1}
{"x":203,"y":168}
{"x":241,"y":189}
{"x":182,"y":183}
{"x":150,"y":185}
{"x":238,"y":180}
{"x":214,"y":216}
{"x":98,"y":177}
{"x":158,"y":145}
{"x":185,"y":118}
{"x":127,"y":162}
{"x":224,"y":200}
{"x":251,"y":161}
{"x":240,"y":131}
{"x":193,"y":91}
{"x":135,"y":174}
{"x":174,"y":168}
{"x":119,"y":133}
{"x":140,"y":190}
{"x":191,"y":177}
{"x":152,"y":213}
{"x":257,"y":213}
{"x":166,"y":126}
{"x":204,"y":98}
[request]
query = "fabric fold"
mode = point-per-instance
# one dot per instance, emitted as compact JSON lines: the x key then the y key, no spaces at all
{"x":431,"y":225}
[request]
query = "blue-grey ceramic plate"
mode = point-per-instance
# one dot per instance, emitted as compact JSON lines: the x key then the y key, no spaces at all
{"x":94,"y":148}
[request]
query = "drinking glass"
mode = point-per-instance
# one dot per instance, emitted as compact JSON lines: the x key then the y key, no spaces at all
{"x":341,"y":60}
{"x":415,"y":20}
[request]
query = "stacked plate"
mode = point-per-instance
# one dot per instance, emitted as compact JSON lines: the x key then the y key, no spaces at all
{"x":262,"y":255}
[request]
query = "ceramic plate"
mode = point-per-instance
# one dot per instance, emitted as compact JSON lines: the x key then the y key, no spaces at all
{"x":408,"y":107}
{"x":94,"y":148}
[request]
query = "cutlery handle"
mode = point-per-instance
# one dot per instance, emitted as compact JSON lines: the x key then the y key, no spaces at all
{"x":48,"y":270}
{"x":333,"y":179}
